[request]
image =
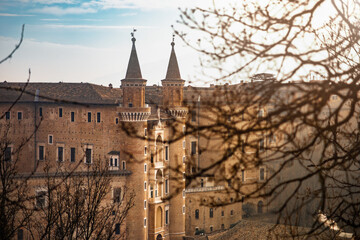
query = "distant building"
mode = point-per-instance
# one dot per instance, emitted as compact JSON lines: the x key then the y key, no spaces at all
{"x":84,"y":125}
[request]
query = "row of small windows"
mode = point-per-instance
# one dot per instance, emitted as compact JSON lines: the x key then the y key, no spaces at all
{"x":113,"y":161}
{"x":60,"y":114}
{"x":60,"y":154}
{"x":19,"y":115}
{"x":173,"y":84}
{"x":211,"y":213}
{"x":134,"y":85}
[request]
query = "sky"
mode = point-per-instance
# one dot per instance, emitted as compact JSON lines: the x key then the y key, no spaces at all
{"x":90,"y":41}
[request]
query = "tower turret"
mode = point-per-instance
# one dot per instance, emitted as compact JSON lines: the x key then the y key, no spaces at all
{"x":173,"y":87}
{"x":133,"y":85}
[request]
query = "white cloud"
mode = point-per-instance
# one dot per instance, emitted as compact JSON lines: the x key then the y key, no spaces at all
{"x":63,"y":11}
{"x":128,"y":14}
{"x":14,"y":15}
{"x":49,"y":2}
{"x":143,"y":4}
{"x":93,"y":26}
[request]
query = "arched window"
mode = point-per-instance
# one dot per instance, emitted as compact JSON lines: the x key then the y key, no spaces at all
{"x":211,"y":213}
{"x":197,"y":214}
{"x":159,"y":217}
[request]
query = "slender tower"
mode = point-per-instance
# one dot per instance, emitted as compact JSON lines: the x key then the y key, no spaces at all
{"x":173,"y":105}
{"x":134,"y":114}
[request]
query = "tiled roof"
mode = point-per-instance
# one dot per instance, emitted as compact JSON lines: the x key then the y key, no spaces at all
{"x":67,"y":92}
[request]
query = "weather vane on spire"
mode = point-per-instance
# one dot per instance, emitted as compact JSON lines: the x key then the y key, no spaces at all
{"x":173,"y":40}
{"x":133,"y":34}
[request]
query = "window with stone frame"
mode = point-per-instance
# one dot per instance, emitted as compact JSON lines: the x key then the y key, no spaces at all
{"x":117,"y":195}
{"x":40,"y":198}
{"x":8,"y":154}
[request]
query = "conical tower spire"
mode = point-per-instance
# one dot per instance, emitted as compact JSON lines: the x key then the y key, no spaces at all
{"x":173,"y":67}
{"x":173,"y":86}
{"x":133,"y":86}
{"x":133,"y":70}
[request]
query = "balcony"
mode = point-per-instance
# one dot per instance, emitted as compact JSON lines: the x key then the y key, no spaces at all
{"x":159,"y":165}
{"x":204,"y":189}
{"x":133,"y":114}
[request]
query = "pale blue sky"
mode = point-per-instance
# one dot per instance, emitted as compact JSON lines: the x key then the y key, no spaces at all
{"x":89,"y":41}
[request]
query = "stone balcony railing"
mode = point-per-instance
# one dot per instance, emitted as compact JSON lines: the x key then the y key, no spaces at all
{"x":134,"y":114}
{"x":204,"y":189}
{"x":159,"y":165}
{"x":177,"y":111}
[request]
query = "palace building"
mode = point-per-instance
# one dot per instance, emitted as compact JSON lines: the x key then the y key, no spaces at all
{"x":138,"y":130}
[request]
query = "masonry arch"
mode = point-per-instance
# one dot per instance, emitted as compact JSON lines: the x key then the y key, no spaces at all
{"x":158,"y":183}
{"x":159,"y":149}
{"x":159,"y":237}
{"x":159,"y":217}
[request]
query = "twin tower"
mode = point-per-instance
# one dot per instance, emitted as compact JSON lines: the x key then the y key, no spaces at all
{"x":133,"y":87}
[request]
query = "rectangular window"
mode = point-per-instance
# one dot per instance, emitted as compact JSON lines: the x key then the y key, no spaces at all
{"x":262,"y":174}
{"x":72,"y":154}
{"x":193,"y":148}
{"x":211,"y":213}
{"x":197,"y":214}
{"x":183,"y":193}
{"x":243,"y":175}
{"x":117,"y":229}
{"x":144,"y":222}
{"x":183,"y":209}
{"x":111,"y":162}
{"x":7,"y":154}
{"x":40,"y":199}
{"x":123,"y":165}
{"x":261,"y":145}
{"x":166,"y":217}
{"x":89,"y":116}
{"x":19,"y":115}
{"x":116,"y":120}
{"x":7,"y":115}
{"x":50,"y":139}
{"x":40,"y":112}
{"x":41,"y":153}
{"x":88,"y":153}
{"x":73,"y":116}
{"x":144,"y":204}
{"x":117,"y":195}
{"x":145,"y":186}
{"x":60,"y":154}
{"x":116,"y":163}
{"x":184,"y":159}
{"x":184,"y":145}
{"x":145,"y":150}
{"x":98,"y":117}
{"x":145,"y":132}
{"x":166,"y":152}
{"x":166,"y":186}
{"x":193,"y":116}
{"x":130,"y":104}
{"x":145,"y":167}
{"x":60,"y":112}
